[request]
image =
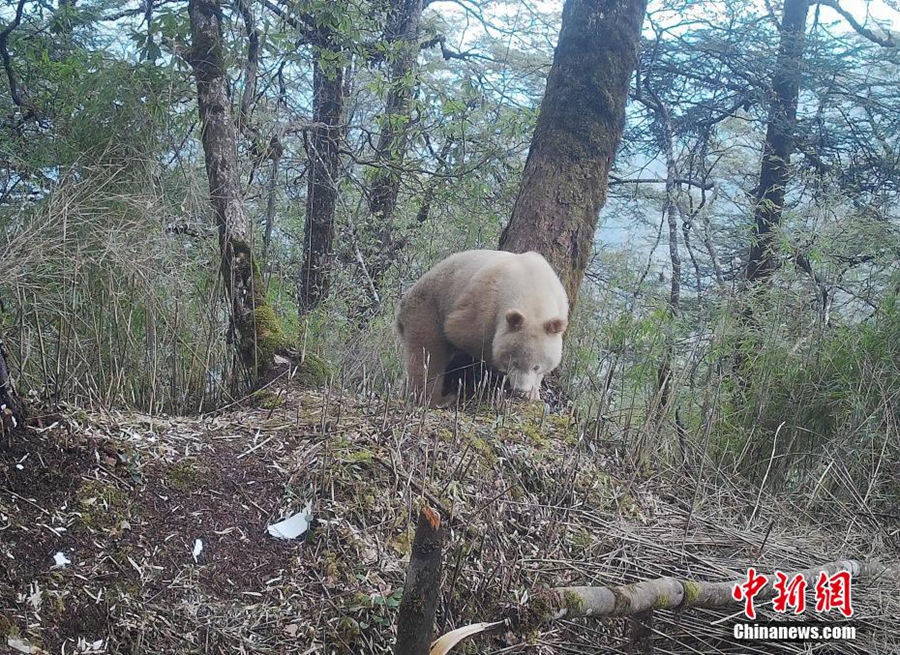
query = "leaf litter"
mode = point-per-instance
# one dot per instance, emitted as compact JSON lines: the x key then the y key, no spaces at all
{"x":530,"y":500}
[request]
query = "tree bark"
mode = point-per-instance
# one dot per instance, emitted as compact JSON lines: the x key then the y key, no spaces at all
{"x":579,"y":128}
{"x":19,"y":97}
{"x":252,"y":318}
{"x":12,"y":410}
{"x":322,"y":187}
{"x":402,"y":33}
{"x":415,"y":620}
{"x":775,"y":171}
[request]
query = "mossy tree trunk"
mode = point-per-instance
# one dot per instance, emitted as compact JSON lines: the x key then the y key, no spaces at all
{"x":252,"y":317}
{"x":402,"y":36}
{"x":323,"y":150}
{"x":775,"y":171}
{"x":578,"y":131}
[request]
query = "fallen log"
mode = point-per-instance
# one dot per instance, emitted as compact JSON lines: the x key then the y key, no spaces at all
{"x":671,"y":593}
{"x":641,"y":598}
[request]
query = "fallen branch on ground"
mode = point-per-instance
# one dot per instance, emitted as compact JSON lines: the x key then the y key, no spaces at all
{"x":671,"y":593}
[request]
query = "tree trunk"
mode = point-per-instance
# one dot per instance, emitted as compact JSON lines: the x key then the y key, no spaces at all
{"x":774,"y":173}
{"x":415,"y":618}
{"x":12,"y":410}
{"x":252,"y":318}
{"x":322,"y":186}
{"x":402,"y":33}
{"x":671,"y":210}
{"x":579,"y":127}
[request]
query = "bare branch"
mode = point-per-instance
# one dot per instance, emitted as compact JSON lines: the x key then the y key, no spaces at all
{"x":887,"y":40}
{"x":448,"y":54}
{"x":252,"y":65}
{"x":304,"y":24}
{"x":15,"y":92}
{"x":616,"y":180}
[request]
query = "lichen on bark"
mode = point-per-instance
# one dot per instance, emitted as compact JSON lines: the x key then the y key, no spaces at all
{"x":254,"y":320}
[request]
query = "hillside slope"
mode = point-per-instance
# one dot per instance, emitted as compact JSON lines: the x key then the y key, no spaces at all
{"x":532,"y":500}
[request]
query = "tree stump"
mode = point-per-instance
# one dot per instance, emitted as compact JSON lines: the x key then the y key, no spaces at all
{"x":415,"y":621}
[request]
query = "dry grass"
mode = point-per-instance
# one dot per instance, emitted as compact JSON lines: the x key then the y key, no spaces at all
{"x":532,"y":500}
{"x":102,"y":305}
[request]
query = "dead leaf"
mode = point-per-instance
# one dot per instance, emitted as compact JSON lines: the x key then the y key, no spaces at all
{"x":446,"y":643}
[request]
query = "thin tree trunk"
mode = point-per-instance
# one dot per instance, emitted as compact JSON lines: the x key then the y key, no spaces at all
{"x":664,"y":373}
{"x":775,"y":171}
{"x":402,"y":32}
{"x":322,"y":190}
{"x":671,"y":211}
{"x":252,"y":318}
{"x":271,"y":192}
{"x":252,"y":66}
{"x":579,"y":128}
{"x":415,"y":618}
{"x":12,"y":410}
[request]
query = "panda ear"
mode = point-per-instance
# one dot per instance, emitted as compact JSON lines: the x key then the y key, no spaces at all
{"x":515,"y":319}
{"x":555,"y":325}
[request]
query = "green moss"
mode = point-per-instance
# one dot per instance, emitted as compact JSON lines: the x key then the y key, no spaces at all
{"x":186,"y":475}
{"x":336,"y":567}
{"x":357,"y":457}
{"x":542,"y":605}
{"x":348,"y":629}
{"x":7,"y":627}
{"x":313,"y":372}
{"x":267,"y":399}
{"x":573,"y":603}
{"x":623,"y":603}
{"x":261,"y":337}
{"x":534,"y":435}
{"x":628,"y":505}
{"x":662,"y":603}
{"x":55,"y":606}
{"x":691,"y":592}
{"x":402,"y":543}
{"x":582,"y":539}
{"x":368,"y":501}
{"x":102,"y":505}
{"x":340,"y":442}
{"x":259,"y":330}
{"x":483,"y":448}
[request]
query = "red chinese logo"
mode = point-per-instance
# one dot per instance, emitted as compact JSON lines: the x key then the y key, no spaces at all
{"x":834,"y":593}
{"x":789,"y":594}
{"x":748,"y":591}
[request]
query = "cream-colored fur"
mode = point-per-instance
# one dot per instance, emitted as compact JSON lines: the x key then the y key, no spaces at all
{"x":508,"y":309}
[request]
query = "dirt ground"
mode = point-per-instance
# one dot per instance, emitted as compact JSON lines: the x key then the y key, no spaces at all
{"x":100,"y":513}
